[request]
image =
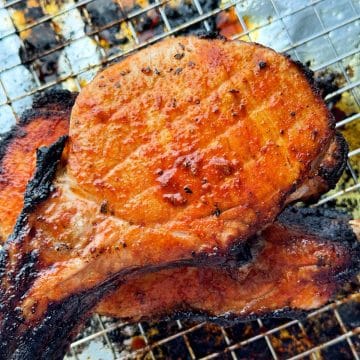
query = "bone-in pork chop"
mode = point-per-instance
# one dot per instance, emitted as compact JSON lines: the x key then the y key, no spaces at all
{"x":284,"y":276}
{"x":176,"y":154}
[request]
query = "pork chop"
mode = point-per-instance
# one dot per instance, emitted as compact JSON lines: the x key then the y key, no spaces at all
{"x":262,"y":288}
{"x":297,"y":265}
{"x":176,"y":153}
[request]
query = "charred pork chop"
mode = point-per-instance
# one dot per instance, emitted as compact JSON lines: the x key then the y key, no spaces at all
{"x":297,"y":264}
{"x":284,"y":276}
{"x":175,"y":154}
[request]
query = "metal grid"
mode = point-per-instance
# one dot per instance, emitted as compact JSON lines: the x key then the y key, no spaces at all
{"x":324,"y":32}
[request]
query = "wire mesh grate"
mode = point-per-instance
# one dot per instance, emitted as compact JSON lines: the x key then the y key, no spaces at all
{"x":48,"y":44}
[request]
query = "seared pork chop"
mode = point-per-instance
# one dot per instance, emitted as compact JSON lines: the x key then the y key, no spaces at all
{"x":234,"y":292}
{"x":236,"y":123}
{"x":297,"y":265}
{"x":283,"y":277}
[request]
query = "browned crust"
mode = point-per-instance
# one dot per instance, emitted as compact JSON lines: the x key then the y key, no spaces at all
{"x":29,"y":343}
{"x":44,"y":107}
{"x":43,"y":124}
{"x":328,"y":228}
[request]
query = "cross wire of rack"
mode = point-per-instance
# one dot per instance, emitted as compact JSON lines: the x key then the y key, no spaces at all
{"x":47,"y":44}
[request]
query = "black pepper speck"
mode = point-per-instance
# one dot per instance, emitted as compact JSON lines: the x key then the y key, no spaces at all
{"x":216,"y":212}
{"x":262,"y":64}
{"x":179,"y":56}
{"x":146,"y":70}
{"x":187,"y":189}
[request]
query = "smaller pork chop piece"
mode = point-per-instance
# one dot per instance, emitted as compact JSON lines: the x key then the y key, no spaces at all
{"x":298,"y":263}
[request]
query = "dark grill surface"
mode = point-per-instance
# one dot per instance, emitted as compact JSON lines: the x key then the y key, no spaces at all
{"x":63,"y":43}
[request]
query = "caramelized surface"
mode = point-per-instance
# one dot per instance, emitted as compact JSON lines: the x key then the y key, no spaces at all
{"x":293,"y":270}
{"x":175,"y":133}
{"x":143,"y":132}
{"x":18,"y":163}
{"x":236,"y":123}
{"x":284,"y":273}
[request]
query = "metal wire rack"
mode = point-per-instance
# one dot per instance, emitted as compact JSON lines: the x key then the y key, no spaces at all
{"x":62,"y":43}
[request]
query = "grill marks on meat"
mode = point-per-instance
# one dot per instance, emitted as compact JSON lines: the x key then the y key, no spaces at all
{"x":178,"y":130}
{"x":215,"y":293}
{"x":129,"y":128}
{"x":287,"y":249}
{"x":300,"y":260}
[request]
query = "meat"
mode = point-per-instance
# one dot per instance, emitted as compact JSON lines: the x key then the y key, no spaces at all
{"x":170,"y":162}
{"x":287,"y":248}
{"x":297,"y":264}
{"x":42,"y":125}
{"x":49,"y":119}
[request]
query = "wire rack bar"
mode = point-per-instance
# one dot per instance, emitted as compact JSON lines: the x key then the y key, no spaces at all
{"x":133,"y":14}
{"x":354,"y":152}
{"x":348,"y":120}
{"x":344,"y":330}
{"x":11,"y":3}
{"x":97,"y":334}
{"x":342,"y":89}
{"x":47,"y":18}
{"x":339,"y":193}
{"x":239,"y":344}
{"x":187,"y":342}
{"x":326,"y":344}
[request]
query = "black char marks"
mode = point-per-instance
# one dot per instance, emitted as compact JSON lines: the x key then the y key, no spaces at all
{"x":16,"y":281}
{"x":332,"y":170}
{"x":40,"y":186}
{"x":48,"y":340}
{"x":43,"y":106}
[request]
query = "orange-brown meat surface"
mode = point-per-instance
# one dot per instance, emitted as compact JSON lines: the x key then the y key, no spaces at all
{"x":295,"y":268}
{"x":175,"y":154}
{"x":41,"y":126}
{"x":285,"y":273}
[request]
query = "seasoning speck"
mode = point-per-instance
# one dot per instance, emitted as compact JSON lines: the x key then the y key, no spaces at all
{"x":146,"y":70}
{"x":293,"y":113}
{"x":157,"y":72}
{"x":187,"y":189}
{"x":178,"y":71}
{"x":262,"y":64}
{"x":179,"y":56}
{"x":173,"y":103}
{"x":104,"y":207}
{"x":216,"y":212}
